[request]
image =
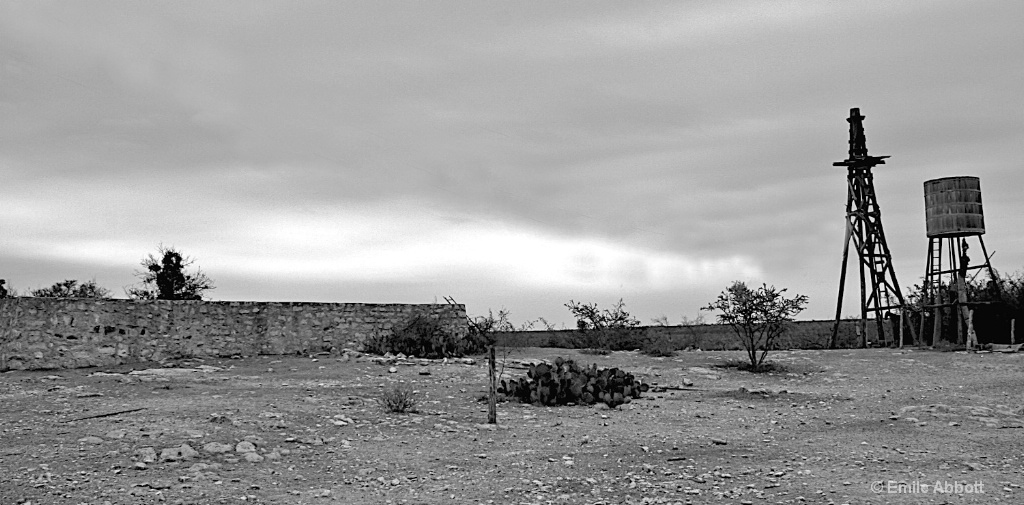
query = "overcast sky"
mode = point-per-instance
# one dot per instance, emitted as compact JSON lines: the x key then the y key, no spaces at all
{"x":507,"y":154}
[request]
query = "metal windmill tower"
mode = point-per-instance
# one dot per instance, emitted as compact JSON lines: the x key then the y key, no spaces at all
{"x":879,"y":291}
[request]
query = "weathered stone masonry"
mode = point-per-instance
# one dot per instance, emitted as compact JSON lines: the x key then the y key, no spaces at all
{"x":37,"y":333}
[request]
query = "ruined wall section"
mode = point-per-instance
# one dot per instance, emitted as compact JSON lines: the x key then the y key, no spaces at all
{"x":38,"y":333}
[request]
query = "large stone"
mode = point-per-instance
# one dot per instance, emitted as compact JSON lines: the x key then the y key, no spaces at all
{"x":146,"y":454}
{"x":187,"y":452}
{"x":217,"y":448}
{"x":182,"y":452}
{"x":252,"y":457}
{"x":245,"y":446}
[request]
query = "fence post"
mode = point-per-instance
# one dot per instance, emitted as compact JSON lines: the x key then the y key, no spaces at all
{"x":492,"y":393}
{"x":902,"y":322}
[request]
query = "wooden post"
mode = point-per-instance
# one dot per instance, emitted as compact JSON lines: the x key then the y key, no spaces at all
{"x":964,"y":312}
{"x":492,"y":393}
{"x":863,"y":307}
{"x":972,"y":337}
{"x":940,"y":298}
{"x":920,"y":340}
{"x":1012,"y":336}
{"x":901,"y":329}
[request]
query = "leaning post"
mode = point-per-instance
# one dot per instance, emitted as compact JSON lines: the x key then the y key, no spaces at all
{"x":492,"y":390}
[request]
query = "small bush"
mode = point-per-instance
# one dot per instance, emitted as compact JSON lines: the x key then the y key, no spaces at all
{"x":423,"y":337}
{"x":378,"y":342}
{"x":398,"y":399}
{"x":660,"y":346}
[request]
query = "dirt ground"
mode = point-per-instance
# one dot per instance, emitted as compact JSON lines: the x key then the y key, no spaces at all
{"x":291,"y":430}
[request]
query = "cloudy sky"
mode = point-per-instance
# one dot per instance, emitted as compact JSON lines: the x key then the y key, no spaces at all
{"x":506,"y":154}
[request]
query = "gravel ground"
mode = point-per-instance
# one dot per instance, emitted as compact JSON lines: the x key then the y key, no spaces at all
{"x":847,"y":426}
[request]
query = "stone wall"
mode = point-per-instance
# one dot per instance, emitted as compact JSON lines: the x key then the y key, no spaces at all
{"x":709,"y":337}
{"x":39,"y":333}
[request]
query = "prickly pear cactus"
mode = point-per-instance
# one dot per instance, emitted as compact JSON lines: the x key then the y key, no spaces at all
{"x":564,"y":382}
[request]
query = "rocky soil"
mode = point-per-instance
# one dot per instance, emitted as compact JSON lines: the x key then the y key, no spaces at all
{"x":307,"y":430}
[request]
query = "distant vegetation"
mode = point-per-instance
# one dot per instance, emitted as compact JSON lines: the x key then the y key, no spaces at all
{"x":165,"y":278}
{"x":72,"y":289}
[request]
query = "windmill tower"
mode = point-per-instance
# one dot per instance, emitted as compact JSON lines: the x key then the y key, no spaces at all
{"x":879,"y":291}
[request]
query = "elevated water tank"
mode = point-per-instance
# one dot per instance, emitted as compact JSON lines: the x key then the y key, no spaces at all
{"x":952,"y":207}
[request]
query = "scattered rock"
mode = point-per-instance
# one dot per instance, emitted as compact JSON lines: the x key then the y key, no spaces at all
{"x":183,"y":452}
{"x":146,"y":454}
{"x":187,"y":452}
{"x":164,"y":372}
{"x":719,"y":441}
{"x":217,"y":448}
{"x":156,"y":484}
{"x":707,"y":373}
{"x":245,"y":446}
{"x":252,"y":457}
{"x":91,"y":440}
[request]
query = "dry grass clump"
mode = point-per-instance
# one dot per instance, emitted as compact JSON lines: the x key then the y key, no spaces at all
{"x":398,"y":399}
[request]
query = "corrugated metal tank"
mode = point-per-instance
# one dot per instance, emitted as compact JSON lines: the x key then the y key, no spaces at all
{"x":952,"y":207}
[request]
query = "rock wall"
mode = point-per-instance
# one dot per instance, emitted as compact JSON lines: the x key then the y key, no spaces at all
{"x":40,"y":333}
{"x":709,"y":337}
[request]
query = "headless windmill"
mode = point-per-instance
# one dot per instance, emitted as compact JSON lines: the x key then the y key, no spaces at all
{"x":879,"y":291}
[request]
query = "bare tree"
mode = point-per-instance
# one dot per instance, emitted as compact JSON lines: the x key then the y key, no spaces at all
{"x":758,"y":316}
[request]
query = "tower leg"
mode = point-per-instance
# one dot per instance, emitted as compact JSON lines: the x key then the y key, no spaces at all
{"x":842,"y":284}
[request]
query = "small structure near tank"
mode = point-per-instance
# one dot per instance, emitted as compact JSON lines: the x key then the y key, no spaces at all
{"x":953,"y":214}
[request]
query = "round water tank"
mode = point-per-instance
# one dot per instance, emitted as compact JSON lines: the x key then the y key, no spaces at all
{"x":952,"y":207}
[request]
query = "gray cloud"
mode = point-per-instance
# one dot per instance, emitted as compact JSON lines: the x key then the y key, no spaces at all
{"x":694,"y":131}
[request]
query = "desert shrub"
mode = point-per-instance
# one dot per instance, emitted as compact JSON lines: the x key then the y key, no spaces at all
{"x":398,"y":399}
{"x":757,"y":316}
{"x":603,"y":329}
{"x":565,"y":383}
{"x":425,"y":337}
{"x":421,"y":336}
{"x":72,"y":289}
{"x":378,"y":342}
{"x":656,"y":345}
